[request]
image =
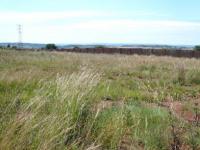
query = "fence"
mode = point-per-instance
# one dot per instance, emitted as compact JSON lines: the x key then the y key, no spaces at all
{"x":138,"y":51}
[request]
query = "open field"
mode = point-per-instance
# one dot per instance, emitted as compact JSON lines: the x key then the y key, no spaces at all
{"x":55,"y":100}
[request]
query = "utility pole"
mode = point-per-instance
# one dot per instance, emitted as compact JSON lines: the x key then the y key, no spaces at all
{"x":20,"y":43}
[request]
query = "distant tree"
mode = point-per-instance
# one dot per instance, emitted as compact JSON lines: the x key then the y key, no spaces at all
{"x":51,"y":46}
{"x":76,"y":47}
{"x":8,"y":46}
{"x":197,"y":48}
{"x":99,"y":46}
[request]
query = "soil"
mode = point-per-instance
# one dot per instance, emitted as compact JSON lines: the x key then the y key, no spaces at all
{"x":178,"y":108}
{"x":180,"y":111}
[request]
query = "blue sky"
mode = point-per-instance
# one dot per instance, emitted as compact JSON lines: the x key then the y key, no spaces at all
{"x":101,"y":21}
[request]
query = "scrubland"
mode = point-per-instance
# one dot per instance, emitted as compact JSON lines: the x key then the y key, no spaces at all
{"x":72,"y":101}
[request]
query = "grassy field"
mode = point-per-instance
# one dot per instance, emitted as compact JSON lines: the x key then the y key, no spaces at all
{"x":55,"y":100}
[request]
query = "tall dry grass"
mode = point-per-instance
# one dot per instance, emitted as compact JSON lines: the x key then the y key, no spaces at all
{"x":48,"y":100}
{"x":52,"y":115}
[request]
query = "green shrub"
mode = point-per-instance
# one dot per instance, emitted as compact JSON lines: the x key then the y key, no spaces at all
{"x":51,"y":46}
{"x":197,"y":48}
{"x":100,"y":46}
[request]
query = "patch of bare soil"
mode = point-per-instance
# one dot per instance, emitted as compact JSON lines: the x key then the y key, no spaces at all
{"x":179,"y":109}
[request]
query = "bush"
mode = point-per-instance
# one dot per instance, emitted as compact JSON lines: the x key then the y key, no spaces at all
{"x":100,"y":46}
{"x":76,"y":47}
{"x":197,"y":48}
{"x":51,"y":46}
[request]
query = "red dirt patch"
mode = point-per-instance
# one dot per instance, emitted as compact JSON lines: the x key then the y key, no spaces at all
{"x":180,"y":111}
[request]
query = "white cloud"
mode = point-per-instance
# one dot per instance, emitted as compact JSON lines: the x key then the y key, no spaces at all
{"x":135,"y":24}
{"x":42,"y":27}
{"x":120,"y":31}
{"x":38,"y":17}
